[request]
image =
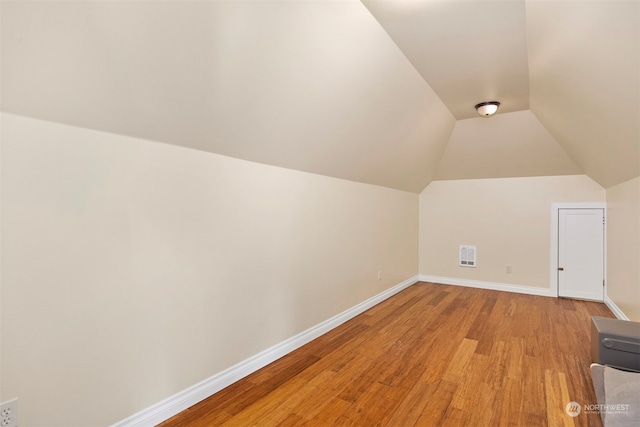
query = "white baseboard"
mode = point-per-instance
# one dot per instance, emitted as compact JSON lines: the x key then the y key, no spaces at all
{"x":177,"y":403}
{"x":529,"y":290}
{"x":615,"y":309}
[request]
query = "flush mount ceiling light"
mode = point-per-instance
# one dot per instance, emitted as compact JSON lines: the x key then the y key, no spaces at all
{"x":486,"y":109}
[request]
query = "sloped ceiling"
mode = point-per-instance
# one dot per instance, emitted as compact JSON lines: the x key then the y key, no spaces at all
{"x":575,"y":64}
{"x":315,"y":86}
{"x":469,"y":51}
{"x":512,"y":145}
{"x":584,"y":62}
{"x":380,"y":92}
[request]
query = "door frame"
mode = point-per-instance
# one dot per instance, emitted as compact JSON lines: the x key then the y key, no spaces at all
{"x":553,"y":259}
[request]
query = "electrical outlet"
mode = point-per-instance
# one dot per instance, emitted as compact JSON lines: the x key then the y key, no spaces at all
{"x":508,"y":269}
{"x":379,"y":274}
{"x":9,"y":413}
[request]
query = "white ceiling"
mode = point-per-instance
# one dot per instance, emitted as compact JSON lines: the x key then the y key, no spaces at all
{"x":468,"y":51}
{"x":584,"y":66}
{"x":380,"y":92}
{"x":517,"y":144}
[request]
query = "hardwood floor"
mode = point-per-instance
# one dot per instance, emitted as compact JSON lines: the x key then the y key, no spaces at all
{"x":432,"y":355}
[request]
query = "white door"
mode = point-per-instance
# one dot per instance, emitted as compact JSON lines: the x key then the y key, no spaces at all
{"x":581,"y":253}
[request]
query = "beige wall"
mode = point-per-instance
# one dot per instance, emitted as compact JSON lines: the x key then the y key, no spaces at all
{"x":132,"y":270}
{"x":623,"y":247}
{"x":508,"y":219}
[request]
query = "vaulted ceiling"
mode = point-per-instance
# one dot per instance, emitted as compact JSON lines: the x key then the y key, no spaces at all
{"x":379,"y":91}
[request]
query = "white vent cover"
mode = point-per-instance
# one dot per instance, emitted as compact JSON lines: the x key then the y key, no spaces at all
{"x":467,"y":256}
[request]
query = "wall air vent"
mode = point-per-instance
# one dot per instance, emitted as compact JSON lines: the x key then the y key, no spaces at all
{"x":467,"y":256}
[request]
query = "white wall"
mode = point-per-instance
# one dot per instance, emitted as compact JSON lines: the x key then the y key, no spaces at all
{"x":623,"y":247}
{"x":132,"y":270}
{"x":508,"y":219}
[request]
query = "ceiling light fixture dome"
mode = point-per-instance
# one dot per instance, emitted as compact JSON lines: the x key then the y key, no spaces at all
{"x":486,"y":109}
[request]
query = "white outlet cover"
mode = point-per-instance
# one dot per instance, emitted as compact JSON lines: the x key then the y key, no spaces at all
{"x":9,"y":419}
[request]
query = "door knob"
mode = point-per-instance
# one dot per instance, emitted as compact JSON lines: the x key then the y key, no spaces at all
{"x":560,"y":268}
